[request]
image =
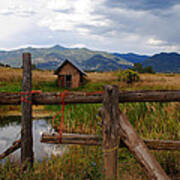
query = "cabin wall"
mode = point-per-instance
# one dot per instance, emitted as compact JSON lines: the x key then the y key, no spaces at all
{"x":68,"y":69}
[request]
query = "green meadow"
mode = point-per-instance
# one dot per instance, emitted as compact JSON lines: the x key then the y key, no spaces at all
{"x":151,"y":120}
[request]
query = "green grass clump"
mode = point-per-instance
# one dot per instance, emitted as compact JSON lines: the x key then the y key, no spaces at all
{"x":10,"y":87}
{"x":78,"y":163}
{"x":154,"y":120}
{"x":80,"y":118}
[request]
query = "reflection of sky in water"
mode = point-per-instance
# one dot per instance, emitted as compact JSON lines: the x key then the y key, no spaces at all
{"x":9,"y":134}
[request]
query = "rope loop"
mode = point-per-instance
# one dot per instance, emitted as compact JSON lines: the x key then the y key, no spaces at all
{"x":111,"y":149}
{"x":62,"y":96}
{"x":25,"y":95}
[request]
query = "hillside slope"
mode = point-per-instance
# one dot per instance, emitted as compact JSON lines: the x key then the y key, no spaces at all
{"x":103,"y":63}
{"x":164,"y":62}
{"x":131,"y":57}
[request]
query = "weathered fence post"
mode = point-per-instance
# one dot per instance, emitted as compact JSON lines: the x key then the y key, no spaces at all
{"x":109,"y":130}
{"x":26,"y":121}
{"x":139,"y":149}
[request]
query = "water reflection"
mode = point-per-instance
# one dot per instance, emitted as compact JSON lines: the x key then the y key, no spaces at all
{"x":10,"y":131}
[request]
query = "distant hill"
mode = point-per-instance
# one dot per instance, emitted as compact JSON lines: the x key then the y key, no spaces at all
{"x":101,"y":63}
{"x":49,"y":58}
{"x":164,"y":62}
{"x":131,"y":57}
{"x":50,"y":65}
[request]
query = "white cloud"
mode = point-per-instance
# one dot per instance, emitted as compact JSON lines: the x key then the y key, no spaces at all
{"x":155,"y":42}
{"x":17,"y":9}
{"x":27,"y":46}
{"x":78,"y":46}
{"x":10,"y":27}
{"x":162,"y":45}
{"x":82,"y":31}
{"x":80,"y":14}
{"x":18,"y":12}
{"x":59,"y":5}
{"x":172,"y":48}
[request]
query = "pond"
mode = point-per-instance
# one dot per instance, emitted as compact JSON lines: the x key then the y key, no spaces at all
{"x":10,"y":131}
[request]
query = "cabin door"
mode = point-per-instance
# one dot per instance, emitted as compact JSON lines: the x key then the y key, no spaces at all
{"x":68,"y":81}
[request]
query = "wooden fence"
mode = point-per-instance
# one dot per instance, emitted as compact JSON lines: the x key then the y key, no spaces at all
{"x":117,"y":132}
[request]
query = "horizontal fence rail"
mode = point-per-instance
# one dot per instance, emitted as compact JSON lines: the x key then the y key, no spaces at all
{"x":91,"y":140}
{"x":47,"y":98}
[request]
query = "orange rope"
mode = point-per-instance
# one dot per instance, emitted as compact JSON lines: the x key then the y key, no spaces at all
{"x":62,"y":96}
{"x":62,"y":117}
{"x":28,"y":94}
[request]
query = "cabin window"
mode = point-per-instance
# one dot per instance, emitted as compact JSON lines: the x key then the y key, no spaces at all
{"x":81,"y":79}
{"x":68,"y":77}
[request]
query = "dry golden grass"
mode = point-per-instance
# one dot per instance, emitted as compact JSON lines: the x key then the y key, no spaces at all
{"x":10,"y":75}
{"x":99,"y":76}
{"x":159,"y":81}
{"x":43,"y":75}
{"x":15,"y":75}
{"x":147,"y":81}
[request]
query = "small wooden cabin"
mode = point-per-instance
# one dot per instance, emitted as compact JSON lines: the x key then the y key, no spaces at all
{"x":69,"y":75}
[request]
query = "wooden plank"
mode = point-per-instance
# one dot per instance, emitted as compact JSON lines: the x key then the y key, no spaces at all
{"x":69,"y":138}
{"x":109,"y":131}
{"x":91,"y":140}
{"x":52,"y":98}
{"x":26,"y":120}
{"x":140,"y":151}
{"x":16,"y":145}
{"x":168,"y":145}
{"x":150,"y":96}
{"x":85,"y":98}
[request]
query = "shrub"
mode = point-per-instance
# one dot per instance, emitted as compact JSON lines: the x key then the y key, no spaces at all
{"x":139,"y":68}
{"x":128,"y":76}
{"x":148,"y":69}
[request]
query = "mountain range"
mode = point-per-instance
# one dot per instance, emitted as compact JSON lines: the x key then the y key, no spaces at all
{"x":50,"y":58}
{"x":164,"y":62}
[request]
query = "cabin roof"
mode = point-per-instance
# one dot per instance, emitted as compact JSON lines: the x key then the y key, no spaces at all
{"x":70,"y":62}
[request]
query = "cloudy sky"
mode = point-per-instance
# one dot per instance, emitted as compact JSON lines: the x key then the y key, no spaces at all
{"x":140,"y":26}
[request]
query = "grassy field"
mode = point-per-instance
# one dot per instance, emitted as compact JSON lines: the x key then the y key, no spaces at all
{"x":151,"y":120}
{"x":11,"y":79}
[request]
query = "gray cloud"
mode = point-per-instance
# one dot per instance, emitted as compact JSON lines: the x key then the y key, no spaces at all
{"x":142,"y":4}
{"x":144,"y":26}
{"x":141,"y":20}
{"x":66,"y":11}
{"x":138,"y":25}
